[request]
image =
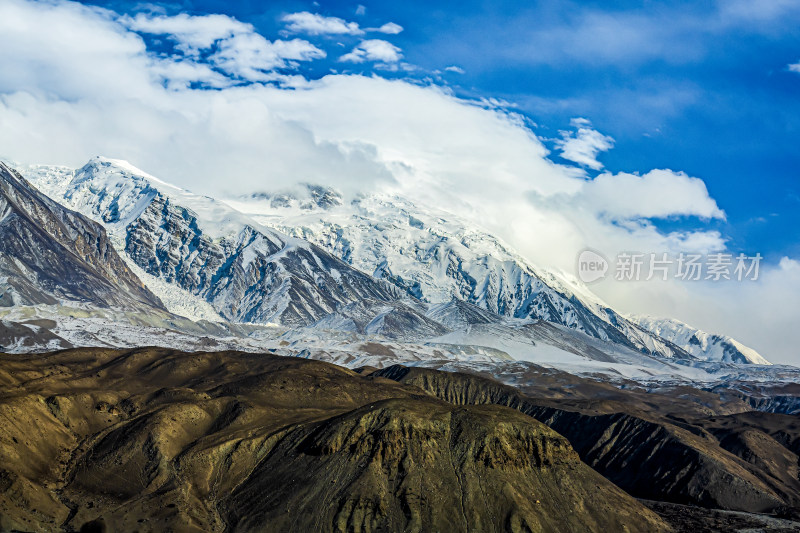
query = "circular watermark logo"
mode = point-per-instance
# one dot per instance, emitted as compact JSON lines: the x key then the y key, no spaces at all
{"x":592,"y":266}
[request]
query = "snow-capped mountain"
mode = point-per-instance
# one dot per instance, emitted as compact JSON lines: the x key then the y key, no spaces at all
{"x":706,"y":346}
{"x":434,"y":256}
{"x":247,"y":272}
{"x":379,"y":265}
{"x":50,"y":255}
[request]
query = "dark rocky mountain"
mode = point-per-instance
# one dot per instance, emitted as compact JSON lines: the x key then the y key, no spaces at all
{"x":655,"y":446}
{"x":31,"y":335}
{"x":783,"y":398}
{"x":49,"y":254}
{"x":158,"y":440}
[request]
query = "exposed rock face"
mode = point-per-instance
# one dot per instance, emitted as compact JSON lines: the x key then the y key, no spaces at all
{"x":247,"y":272}
{"x":49,"y":254}
{"x":413,"y":465}
{"x":157,"y":440}
{"x":253,"y":276}
{"x":15,"y":336}
{"x":434,"y":256}
{"x":659,"y":461}
{"x":730,"y":463}
{"x":763,"y":395}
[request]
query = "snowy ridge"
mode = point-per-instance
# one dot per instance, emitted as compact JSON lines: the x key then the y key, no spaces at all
{"x":177,"y":301}
{"x":245,"y":271}
{"x":434,"y":256}
{"x":51,"y":254}
{"x":307,"y":258}
{"x":115,"y":193}
{"x":706,"y":346}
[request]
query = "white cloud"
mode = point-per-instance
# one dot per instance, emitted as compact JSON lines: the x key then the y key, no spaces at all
{"x":236,"y":48}
{"x":181,"y":74}
{"x":455,"y":68}
{"x":315,"y":24}
{"x":583,"y":146}
{"x":192,"y":33}
{"x":373,"y":50}
{"x":361,"y":10}
{"x":659,"y":193}
{"x":250,"y":56}
{"x":77,"y":82}
{"x":390,"y":28}
{"x":70,"y":51}
{"x":795,"y":67}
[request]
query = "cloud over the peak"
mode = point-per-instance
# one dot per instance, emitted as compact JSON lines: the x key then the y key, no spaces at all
{"x":338,"y":130}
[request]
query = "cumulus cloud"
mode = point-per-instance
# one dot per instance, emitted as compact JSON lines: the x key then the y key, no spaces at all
{"x":84,"y":83}
{"x":183,"y":73}
{"x":584,"y":145}
{"x":390,"y":28}
{"x":373,"y":50}
{"x":657,"y":194}
{"x":315,"y":24}
{"x":250,"y":56}
{"x":69,"y":51}
{"x":794,"y":67}
{"x":233,"y":47}
{"x":192,"y":33}
{"x":454,"y":68}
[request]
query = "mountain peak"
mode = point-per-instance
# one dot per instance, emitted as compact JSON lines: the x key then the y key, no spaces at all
{"x":708,"y":346}
{"x":49,"y":254}
{"x":297,"y":256}
{"x":122,"y":168}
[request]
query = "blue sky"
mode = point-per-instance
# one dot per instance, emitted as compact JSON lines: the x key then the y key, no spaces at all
{"x":627,"y":126}
{"x":702,"y":88}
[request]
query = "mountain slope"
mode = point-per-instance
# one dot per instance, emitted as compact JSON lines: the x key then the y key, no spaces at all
{"x":746,"y":464}
{"x":158,"y":440}
{"x":234,"y":261}
{"x":434,"y":256}
{"x":699,"y":343}
{"x":248,"y":273}
{"x":50,"y":255}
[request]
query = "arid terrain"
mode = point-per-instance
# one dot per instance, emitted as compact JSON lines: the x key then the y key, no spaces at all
{"x":159,"y":440}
